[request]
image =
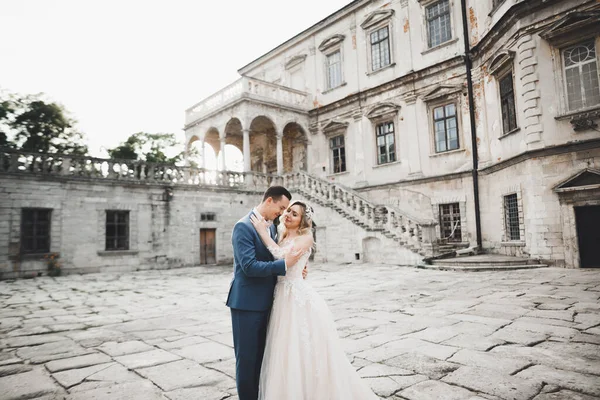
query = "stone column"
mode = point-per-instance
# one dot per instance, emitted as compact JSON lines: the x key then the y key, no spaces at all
{"x":413,"y":144}
{"x":203,"y":154}
{"x":280,"y":154}
{"x":222,"y":154}
{"x":246,"y":146}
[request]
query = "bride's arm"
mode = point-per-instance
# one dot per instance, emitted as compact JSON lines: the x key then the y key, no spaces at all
{"x":263,"y":232}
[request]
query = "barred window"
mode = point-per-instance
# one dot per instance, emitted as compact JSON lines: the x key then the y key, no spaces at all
{"x":386,"y":147}
{"x":445,"y":128}
{"x":507,"y":101}
{"x":35,"y":230}
{"x":338,"y":154}
{"x":438,"y":23}
{"x":117,"y":230}
{"x":380,"y":48}
{"x":511,"y":217}
{"x":450,"y":222}
{"x":208,"y":217}
{"x":334,"y":69}
{"x":581,"y":76}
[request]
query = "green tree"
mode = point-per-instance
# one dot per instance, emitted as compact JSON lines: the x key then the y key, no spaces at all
{"x":150,"y":147}
{"x":38,"y":126}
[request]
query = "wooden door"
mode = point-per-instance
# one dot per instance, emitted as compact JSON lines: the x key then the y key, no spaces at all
{"x":208,"y":246}
{"x":587,"y":220}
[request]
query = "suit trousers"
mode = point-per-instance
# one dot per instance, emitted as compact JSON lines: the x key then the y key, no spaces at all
{"x":249,"y":336}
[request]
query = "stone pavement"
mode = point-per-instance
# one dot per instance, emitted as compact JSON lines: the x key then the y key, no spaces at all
{"x":413,"y":334}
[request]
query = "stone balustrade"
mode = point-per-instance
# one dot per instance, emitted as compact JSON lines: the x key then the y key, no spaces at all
{"x":78,"y":167}
{"x":415,"y":233}
{"x":250,"y":88}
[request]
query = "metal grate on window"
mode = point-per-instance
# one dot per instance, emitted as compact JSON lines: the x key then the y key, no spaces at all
{"x":380,"y":48}
{"x":581,"y":76}
{"x":450,"y":222}
{"x":438,"y":23}
{"x":511,"y":217}
{"x":117,"y":230}
{"x":208,"y":217}
{"x":35,"y":230}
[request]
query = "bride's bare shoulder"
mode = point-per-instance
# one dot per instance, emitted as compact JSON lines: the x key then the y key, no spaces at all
{"x":304,"y":242}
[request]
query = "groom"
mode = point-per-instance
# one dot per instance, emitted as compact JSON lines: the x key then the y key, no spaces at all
{"x":251,"y":292}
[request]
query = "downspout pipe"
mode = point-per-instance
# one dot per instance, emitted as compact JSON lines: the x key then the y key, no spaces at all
{"x":474,"y":152}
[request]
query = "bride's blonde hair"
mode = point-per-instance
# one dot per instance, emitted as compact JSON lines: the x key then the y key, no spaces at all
{"x":306,"y":224}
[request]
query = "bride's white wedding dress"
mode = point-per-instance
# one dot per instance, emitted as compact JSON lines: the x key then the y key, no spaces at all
{"x":303,"y":358}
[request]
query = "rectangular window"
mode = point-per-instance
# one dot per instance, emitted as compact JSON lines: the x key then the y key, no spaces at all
{"x":386,"y":147}
{"x":450,"y":222}
{"x":507,"y":101}
{"x":445,"y":128}
{"x":117,"y":230}
{"x":207,"y":217}
{"x":380,"y":48}
{"x":334,"y":70}
{"x":438,"y":23}
{"x":35,"y":230}
{"x":511,"y":217}
{"x":338,"y":153}
{"x":581,"y":76}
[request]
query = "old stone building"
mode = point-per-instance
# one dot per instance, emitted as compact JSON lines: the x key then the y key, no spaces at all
{"x":368,"y":115}
{"x":374,"y":100}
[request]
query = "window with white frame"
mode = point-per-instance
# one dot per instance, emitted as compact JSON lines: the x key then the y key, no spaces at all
{"x":438,"y":19}
{"x":445,"y":127}
{"x":338,"y":154}
{"x":334,"y":69}
{"x":386,"y":145}
{"x":511,"y":218}
{"x":581,"y":76}
{"x":507,"y":103}
{"x":380,"y":48}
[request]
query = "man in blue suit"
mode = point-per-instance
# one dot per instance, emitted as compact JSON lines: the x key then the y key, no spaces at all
{"x":251,"y":293}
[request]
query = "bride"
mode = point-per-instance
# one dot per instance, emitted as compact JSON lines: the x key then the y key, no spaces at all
{"x":303,"y":357}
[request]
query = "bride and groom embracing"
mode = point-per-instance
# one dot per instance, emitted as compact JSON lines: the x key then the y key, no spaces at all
{"x":285,"y":340}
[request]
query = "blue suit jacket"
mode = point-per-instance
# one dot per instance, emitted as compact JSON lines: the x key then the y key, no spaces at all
{"x":254,"y":271}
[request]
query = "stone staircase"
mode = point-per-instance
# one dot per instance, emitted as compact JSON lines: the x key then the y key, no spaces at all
{"x":415,"y":234}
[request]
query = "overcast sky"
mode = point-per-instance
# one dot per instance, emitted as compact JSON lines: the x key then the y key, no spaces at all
{"x":124,"y":66}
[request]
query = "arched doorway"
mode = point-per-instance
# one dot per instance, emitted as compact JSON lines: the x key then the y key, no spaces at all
{"x":294,"y":148}
{"x":263,"y":145}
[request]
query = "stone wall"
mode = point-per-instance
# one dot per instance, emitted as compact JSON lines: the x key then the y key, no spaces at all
{"x":163,"y":234}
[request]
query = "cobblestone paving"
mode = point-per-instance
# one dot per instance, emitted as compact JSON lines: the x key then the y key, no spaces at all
{"x":413,"y":334}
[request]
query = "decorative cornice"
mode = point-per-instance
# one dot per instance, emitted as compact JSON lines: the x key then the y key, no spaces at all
{"x":376,"y":17}
{"x":500,"y":61}
{"x":334,"y":127}
{"x":440,"y":91}
{"x":574,"y":23}
{"x":586,"y":179}
{"x":296,"y":60}
{"x":331,"y":42}
{"x":380,"y":110}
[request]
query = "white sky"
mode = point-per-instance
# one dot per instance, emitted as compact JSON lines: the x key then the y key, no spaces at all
{"x":124,"y":66}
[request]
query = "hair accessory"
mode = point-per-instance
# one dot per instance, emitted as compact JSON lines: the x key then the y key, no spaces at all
{"x":310,"y":213}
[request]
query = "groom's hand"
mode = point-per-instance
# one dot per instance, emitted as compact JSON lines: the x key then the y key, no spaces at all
{"x":292,"y":257}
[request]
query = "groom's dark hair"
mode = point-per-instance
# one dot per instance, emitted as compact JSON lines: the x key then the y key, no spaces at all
{"x":276,"y":192}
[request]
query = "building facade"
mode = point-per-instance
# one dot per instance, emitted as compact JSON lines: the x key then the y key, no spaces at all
{"x":374,"y":99}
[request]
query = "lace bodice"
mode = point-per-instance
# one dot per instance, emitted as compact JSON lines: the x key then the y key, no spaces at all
{"x":294,"y":271}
